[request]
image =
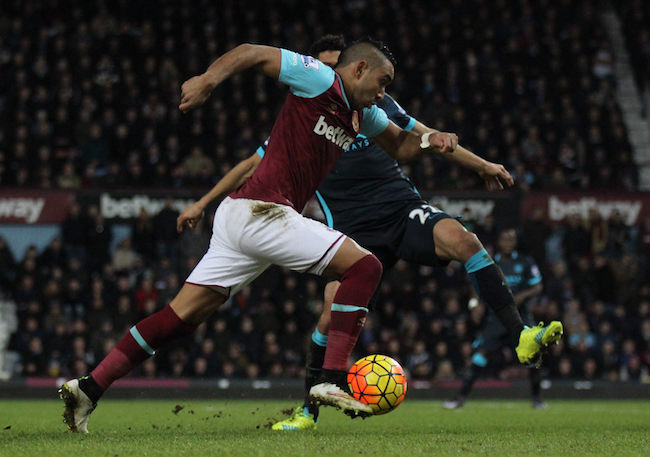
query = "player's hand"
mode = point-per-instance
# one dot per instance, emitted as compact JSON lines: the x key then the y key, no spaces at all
{"x":444,"y":142}
{"x":194,"y":92}
{"x":190,"y":217}
{"x":496,"y":176}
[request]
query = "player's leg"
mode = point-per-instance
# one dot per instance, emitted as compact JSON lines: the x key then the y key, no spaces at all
{"x":491,"y":338}
{"x":221,"y":271}
{"x":305,"y":417}
{"x":180,"y":318}
{"x":434,"y":238}
{"x":472,"y":373}
{"x":319,"y":339}
{"x":536,"y":388}
{"x":318,"y":344}
{"x":305,"y":245}
{"x":452,"y":241}
{"x":359,"y":273}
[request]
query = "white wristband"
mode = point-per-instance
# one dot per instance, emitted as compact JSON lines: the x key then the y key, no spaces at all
{"x":424,"y":141}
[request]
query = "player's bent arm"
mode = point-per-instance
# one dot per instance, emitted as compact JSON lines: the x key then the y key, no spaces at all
{"x":196,"y":90}
{"x":231,"y":181}
{"x":461,"y":156}
{"x":405,"y":145}
{"x":494,"y":174}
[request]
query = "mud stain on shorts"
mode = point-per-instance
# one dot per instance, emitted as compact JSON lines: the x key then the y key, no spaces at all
{"x":271,"y":211}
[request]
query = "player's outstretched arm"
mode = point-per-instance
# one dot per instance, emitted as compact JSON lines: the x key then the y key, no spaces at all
{"x":196,"y":90}
{"x":231,"y":181}
{"x":494,"y":174}
{"x":404,"y":145}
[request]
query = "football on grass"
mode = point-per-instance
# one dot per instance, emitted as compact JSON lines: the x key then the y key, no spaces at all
{"x":378,"y":381}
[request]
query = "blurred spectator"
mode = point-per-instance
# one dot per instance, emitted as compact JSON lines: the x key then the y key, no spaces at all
{"x":143,"y":236}
{"x":165,"y":232}
{"x":124,"y":257}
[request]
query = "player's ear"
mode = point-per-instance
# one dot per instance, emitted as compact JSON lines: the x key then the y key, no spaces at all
{"x":360,"y":68}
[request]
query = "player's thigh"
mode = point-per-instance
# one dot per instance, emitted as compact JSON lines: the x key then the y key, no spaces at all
{"x":194,"y":303}
{"x":454,"y":242}
{"x":418,"y":244}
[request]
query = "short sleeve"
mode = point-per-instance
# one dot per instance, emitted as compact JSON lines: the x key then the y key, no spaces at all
{"x":373,"y":122}
{"x":306,"y":76}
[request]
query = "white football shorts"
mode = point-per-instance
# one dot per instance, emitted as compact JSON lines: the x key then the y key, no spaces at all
{"x":250,"y":235}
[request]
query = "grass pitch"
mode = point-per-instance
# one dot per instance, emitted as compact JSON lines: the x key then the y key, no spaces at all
{"x":241,"y":428}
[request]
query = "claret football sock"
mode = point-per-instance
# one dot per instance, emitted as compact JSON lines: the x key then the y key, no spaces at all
{"x":139,"y":344}
{"x":349,"y":310}
{"x":492,"y":288}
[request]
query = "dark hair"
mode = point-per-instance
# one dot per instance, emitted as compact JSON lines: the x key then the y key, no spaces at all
{"x":359,"y":49}
{"x":327,"y":43}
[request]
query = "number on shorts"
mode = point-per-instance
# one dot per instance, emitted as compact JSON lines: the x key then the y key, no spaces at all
{"x":423,"y":213}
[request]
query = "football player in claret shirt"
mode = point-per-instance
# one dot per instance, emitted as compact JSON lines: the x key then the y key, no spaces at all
{"x":260,"y":223}
{"x":525,"y":281}
{"x":367,"y":197}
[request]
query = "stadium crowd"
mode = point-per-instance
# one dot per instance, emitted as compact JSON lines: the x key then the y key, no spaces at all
{"x":92,"y":88}
{"x":91,"y":103}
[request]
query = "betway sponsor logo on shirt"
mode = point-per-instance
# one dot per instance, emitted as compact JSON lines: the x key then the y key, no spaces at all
{"x":26,"y":210}
{"x":130,"y":207}
{"x":335,"y":134}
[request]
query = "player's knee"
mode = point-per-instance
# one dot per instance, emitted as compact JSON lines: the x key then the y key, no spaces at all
{"x":372,"y":269}
{"x":368,"y":269}
{"x":468,"y":245}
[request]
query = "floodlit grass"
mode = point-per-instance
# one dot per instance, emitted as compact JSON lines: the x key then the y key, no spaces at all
{"x":417,"y":428}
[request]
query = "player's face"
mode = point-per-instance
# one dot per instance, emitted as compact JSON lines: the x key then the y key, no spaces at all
{"x":371,"y":85}
{"x":329,"y":58}
{"x":507,"y":242}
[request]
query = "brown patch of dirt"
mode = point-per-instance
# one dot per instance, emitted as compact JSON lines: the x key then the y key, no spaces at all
{"x":177,"y":409}
{"x":269,"y":210}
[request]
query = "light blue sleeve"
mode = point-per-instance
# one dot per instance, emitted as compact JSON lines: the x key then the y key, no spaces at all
{"x":374,"y":121}
{"x":306,"y":76}
{"x":410,"y":125}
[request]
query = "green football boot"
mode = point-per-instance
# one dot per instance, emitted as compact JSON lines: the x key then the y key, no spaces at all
{"x":300,"y":419}
{"x":534,"y":340}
